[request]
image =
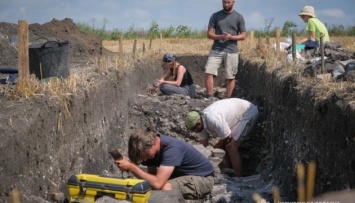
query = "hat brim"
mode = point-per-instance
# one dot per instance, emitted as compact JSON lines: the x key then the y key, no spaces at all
{"x":307,"y":14}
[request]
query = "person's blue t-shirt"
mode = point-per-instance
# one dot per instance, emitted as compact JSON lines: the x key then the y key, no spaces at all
{"x":186,"y":159}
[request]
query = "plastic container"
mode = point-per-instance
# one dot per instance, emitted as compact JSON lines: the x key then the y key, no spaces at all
{"x":288,"y":40}
{"x":49,"y":59}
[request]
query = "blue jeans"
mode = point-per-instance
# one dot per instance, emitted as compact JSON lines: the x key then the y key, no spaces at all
{"x":188,"y":90}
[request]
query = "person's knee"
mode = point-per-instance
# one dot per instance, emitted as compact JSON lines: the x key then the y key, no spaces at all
{"x":208,"y":76}
{"x":232,"y":146}
{"x":164,"y":88}
{"x":167,"y":186}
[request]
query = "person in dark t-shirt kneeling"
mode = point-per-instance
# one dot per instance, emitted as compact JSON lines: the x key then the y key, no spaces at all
{"x":172,"y":164}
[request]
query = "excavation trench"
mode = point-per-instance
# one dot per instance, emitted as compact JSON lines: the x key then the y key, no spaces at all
{"x":46,"y":147}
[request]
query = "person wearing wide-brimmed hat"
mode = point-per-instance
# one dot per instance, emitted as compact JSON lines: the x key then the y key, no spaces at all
{"x":232,"y":120}
{"x":314,"y":26}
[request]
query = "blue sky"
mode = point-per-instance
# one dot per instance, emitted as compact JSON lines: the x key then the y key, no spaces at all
{"x":195,"y":14}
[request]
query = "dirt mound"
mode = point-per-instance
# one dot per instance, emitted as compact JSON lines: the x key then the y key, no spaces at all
{"x":83,"y":46}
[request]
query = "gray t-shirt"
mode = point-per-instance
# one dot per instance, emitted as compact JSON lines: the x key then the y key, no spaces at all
{"x":232,"y":23}
{"x":186,"y":159}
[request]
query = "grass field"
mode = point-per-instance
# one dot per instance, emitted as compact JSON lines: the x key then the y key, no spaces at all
{"x":147,"y":51}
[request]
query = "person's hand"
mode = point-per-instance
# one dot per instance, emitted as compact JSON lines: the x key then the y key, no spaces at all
{"x":123,"y":164}
{"x":159,"y":81}
{"x":226,"y":36}
{"x":151,"y":89}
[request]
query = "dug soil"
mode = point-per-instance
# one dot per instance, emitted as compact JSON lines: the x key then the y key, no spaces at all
{"x":43,"y":144}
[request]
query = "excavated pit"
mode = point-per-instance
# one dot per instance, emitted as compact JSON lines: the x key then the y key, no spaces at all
{"x":41,"y":147}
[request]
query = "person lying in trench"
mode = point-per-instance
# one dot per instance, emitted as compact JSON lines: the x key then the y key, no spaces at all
{"x":172,"y":164}
{"x":182,"y":82}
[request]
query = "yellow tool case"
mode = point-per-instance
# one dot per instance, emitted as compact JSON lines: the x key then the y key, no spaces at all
{"x":88,"y":188}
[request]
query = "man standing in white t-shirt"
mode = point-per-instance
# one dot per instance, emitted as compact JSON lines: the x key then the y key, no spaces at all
{"x":230,"y":119}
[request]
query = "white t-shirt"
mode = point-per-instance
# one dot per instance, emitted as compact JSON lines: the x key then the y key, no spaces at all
{"x":227,"y":116}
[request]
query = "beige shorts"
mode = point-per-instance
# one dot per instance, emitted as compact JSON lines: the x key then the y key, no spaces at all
{"x":193,"y":187}
{"x":228,"y":60}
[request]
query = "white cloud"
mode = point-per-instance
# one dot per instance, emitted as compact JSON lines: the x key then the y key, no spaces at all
{"x":254,"y":20}
{"x":334,"y":12}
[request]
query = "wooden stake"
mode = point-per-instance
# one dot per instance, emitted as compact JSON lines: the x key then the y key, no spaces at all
{"x":294,"y":46}
{"x":311,"y":174}
{"x":277,"y":41}
{"x":15,"y":196}
{"x":120,"y":46}
{"x":120,"y":51}
{"x":257,"y":198}
{"x":40,"y":69}
{"x":322,"y":52}
{"x":23,"y":57}
{"x":300,"y":181}
{"x":276,"y":194}
{"x":252,"y":38}
{"x":259,"y":43}
{"x":161,"y":40}
{"x":134,"y":48}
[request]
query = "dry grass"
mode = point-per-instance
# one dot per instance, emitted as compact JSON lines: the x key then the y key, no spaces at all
{"x":148,"y":51}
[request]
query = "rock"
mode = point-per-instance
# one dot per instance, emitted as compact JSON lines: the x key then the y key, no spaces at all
{"x":218,"y":152}
{"x":344,"y":196}
{"x":170,"y":196}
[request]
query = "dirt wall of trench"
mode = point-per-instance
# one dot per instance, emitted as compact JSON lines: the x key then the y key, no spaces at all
{"x":301,"y":127}
{"x":41,"y":147}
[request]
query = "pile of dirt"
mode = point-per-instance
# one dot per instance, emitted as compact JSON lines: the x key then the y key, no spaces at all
{"x":83,"y":46}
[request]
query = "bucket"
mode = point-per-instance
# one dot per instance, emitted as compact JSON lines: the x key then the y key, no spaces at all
{"x":49,"y":59}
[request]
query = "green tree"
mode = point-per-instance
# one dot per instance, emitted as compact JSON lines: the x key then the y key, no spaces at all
{"x":351,"y":31}
{"x":167,"y":33}
{"x":183,"y":31}
{"x":268,"y":24}
{"x":154,"y":30}
{"x":288,"y":28}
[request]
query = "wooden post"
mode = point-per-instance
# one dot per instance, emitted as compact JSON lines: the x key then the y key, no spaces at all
{"x":300,"y":180}
{"x":267,"y":41}
{"x":322,"y":52}
{"x":150,"y":43}
{"x":120,"y":51}
{"x":161,"y":39}
{"x":134,"y":47}
{"x":259,"y":43}
{"x":278,"y":41}
{"x":15,"y":196}
{"x":23,"y":57}
{"x":120,"y":46}
{"x":143,"y":48}
{"x":276,"y":194}
{"x":252,"y":38}
{"x":311,"y":176}
{"x":294,"y":46}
